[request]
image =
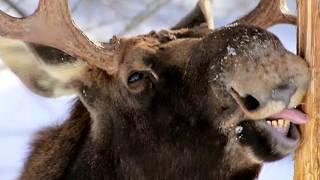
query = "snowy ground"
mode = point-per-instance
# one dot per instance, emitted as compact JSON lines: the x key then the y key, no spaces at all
{"x":23,"y":113}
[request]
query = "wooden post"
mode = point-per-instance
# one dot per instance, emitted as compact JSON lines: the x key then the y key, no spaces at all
{"x":307,"y":160}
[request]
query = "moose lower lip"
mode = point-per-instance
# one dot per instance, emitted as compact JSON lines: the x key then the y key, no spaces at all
{"x":260,"y":131}
{"x":284,"y":123}
{"x":291,"y":137}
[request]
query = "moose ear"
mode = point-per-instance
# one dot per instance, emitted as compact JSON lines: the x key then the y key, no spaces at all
{"x":44,"y":70}
{"x":201,"y":14}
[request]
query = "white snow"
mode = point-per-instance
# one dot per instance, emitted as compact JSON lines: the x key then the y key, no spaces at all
{"x":231,"y":51}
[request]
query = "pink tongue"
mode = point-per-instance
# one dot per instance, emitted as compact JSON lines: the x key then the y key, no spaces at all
{"x":293,"y":115}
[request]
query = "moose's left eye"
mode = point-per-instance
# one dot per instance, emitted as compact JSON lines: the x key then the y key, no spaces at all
{"x":136,"y":76}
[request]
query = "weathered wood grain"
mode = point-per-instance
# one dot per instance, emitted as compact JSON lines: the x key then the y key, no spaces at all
{"x":307,"y":162}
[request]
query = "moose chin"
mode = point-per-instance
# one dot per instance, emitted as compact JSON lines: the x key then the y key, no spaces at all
{"x":191,"y":102}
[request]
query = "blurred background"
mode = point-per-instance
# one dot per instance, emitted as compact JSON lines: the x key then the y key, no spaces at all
{"x":24,"y":113}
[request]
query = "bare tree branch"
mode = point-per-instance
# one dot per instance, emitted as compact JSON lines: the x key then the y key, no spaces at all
{"x":151,"y":9}
{"x":76,"y":5}
{"x":15,"y":7}
{"x":99,"y":25}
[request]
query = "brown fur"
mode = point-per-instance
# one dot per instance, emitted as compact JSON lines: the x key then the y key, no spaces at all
{"x":48,"y":145}
{"x":179,"y":119}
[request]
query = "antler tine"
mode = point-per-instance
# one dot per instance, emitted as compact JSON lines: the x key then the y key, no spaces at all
{"x":52,"y":25}
{"x":202,"y":13}
{"x":206,"y":8}
{"x":269,"y":13}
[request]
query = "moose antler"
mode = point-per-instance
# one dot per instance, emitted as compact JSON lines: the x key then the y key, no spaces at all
{"x":268,"y":13}
{"x":202,"y":13}
{"x":206,"y":9}
{"x":52,"y":25}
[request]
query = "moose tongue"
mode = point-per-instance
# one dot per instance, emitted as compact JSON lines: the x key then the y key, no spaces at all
{"x":293,"y":115}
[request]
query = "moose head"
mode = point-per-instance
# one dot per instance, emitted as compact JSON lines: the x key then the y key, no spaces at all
{"x":185,"y":103}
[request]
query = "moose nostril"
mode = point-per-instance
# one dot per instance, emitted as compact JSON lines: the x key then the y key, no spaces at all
{"x":250,"y":102}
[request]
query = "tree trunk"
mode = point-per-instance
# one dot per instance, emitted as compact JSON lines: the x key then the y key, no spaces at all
{"x":307,"y":160}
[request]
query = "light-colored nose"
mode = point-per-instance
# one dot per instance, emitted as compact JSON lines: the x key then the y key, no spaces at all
{"x":284,"y":92}
{"x":257,"y":106}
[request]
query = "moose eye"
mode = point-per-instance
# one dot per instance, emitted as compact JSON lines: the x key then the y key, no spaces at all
{"x":136,"y":76}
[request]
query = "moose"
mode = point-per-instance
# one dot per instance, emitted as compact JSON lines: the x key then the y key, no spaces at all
{"x":190,"y":102}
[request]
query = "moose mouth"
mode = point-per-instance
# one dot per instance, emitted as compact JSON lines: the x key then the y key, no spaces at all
{"x":282,"y":121}
{"x":284,"y":126}
{"x":276,"y":136}
{"x":271,"y":129}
